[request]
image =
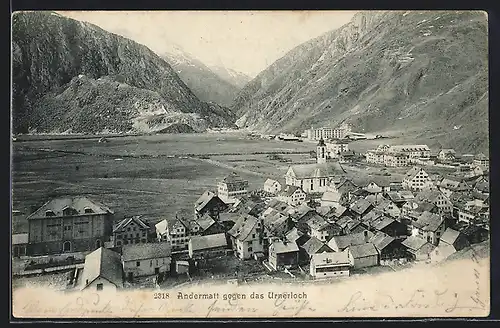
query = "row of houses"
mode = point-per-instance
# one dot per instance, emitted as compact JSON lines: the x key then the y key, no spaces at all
{"x":405,"y":155}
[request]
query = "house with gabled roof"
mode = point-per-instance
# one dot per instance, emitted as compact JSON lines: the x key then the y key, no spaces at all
{"x":297,"y":237}
{"x":360,"y":207}
{"x":323,"y":230}
{"x":313,"y":246}
{"x":363,"y":255}
{"x":418,"y":248}
{"x":447,"y":155}
{"x":416,"y":179}
{"x":388,"y":247}
{"x":247,"y":237}
{"x":292,"y":195}
{"x":208,"y":246}
{"x":340,"y":243}
{"x":388,"y":207}
{"x":413,"y":208}
{"x":209,"y":203}
{"x":102,"y":271}
{"x":450,"y":184}
{"x":149,"y":259}
{"x":131,"y":230}
{"x":350,"y":225}
{"x":429,"y":226}
{"x":435,"y":197}
{"x":231,"y":188}
{"x":272,"y":186}
{"x":283,"y":254}
{"x":276,"y":223}
{"x":69,"y":224}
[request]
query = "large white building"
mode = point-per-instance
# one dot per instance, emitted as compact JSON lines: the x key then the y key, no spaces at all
{"x":314,"y":178}
{"x":326,"y":133}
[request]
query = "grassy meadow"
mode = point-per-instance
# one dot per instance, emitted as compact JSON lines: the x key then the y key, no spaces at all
{"x":147,"y":175}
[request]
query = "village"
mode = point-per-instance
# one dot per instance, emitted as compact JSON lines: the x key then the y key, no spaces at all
{"x":314,"y":224}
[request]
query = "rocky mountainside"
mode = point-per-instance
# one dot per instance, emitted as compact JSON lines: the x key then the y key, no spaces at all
{"x":237,"y":79}
{"x":424,"y":73}
{"x":205,"y":84}
{"x":74,"y":77}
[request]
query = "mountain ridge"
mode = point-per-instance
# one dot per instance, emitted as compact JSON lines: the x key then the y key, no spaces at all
{"x":50,"y":52}
{"x":380,"y":71}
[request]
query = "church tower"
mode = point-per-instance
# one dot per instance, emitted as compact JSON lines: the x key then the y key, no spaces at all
{"x":321,"y":152}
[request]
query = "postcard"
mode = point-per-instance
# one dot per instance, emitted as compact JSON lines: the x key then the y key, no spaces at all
{"x":250,"y":164}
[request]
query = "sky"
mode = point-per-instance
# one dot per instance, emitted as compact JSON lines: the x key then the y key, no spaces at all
{"x":245,"y":41}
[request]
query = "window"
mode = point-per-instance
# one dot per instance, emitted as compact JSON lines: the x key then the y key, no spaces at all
{"x":128,"y":229}
{"x":118,"y":236}
{"x":249,"y":249}
{"x":50,"y":213}
{"x":151,"y":263}
{"x":253,"y":235}
{"x":138,"y":264}
{"x":118,"y":243}
{"x":99,"y":286}
{"x":69,"y":211}
{"x":144,"y":233}
{"x":88,"y":210}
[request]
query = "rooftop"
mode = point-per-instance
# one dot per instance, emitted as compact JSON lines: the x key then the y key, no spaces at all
{"x":313,"y":245}
{"x":330,"y":258}
{"x":243,"y":227}
{"x":75,"y":205}
{"x":125,"y":222}
{"x":363,"y":250}
{"x":280,"y":246}
{"x":134,"y":252}
{"x":208,"y":241}
{"x":103,"y":263}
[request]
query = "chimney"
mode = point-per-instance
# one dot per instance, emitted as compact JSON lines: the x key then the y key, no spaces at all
{"x":365,"y":233}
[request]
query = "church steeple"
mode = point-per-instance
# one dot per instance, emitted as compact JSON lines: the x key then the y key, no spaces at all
{"x":321,"y":152}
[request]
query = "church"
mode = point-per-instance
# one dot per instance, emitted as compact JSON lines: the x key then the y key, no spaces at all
{"x":315,"y":178}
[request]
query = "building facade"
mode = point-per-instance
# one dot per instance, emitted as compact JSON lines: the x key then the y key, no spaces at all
{"x":328,"y":265}
{"x":69,"y":225}
{"x":416,"y":179}
{"x":231,"y":188}
{"x":133,"y":230}
{"x":146,"y":259}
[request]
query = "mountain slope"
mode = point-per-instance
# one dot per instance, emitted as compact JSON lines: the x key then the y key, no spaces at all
{"x":72,"y":76}
{"x":204,"y":83}
{"x":419,"y":71}
{"x":233,"y":77}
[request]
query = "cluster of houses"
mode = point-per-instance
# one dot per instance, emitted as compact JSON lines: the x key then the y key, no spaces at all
{"x":407,"y":155}
{"x":317,"y":218}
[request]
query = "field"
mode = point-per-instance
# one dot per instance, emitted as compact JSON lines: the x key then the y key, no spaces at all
{"x":149,"y":175}
{"x":154,"y":176}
